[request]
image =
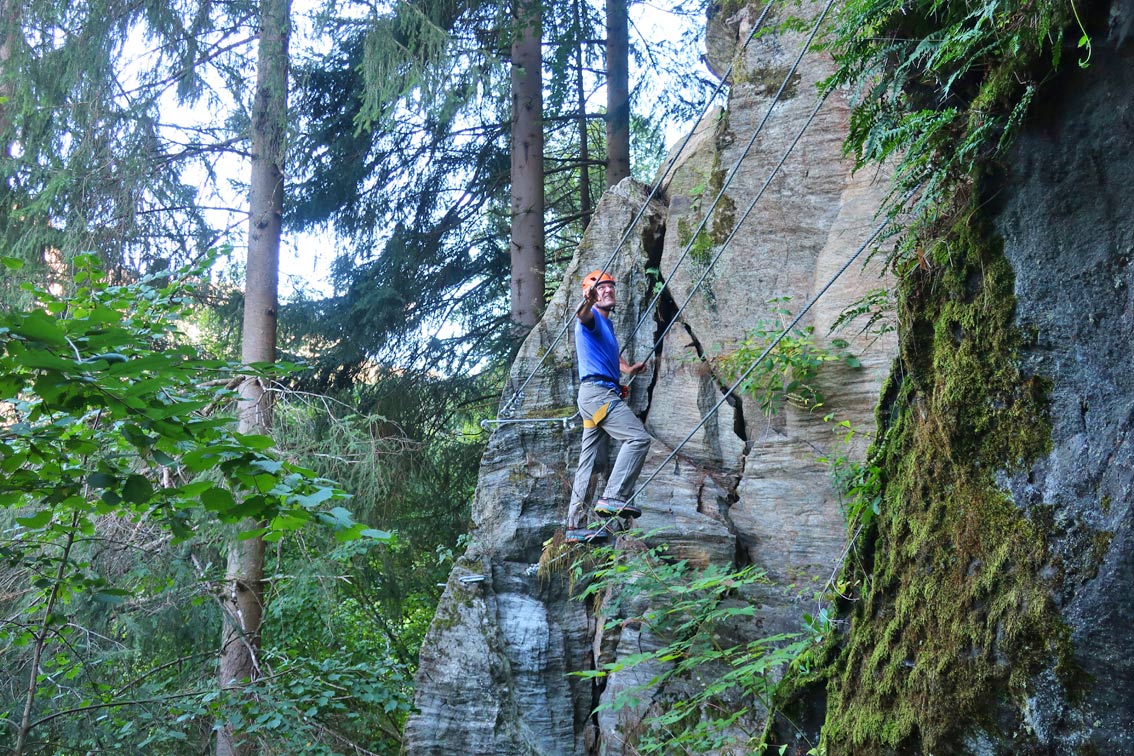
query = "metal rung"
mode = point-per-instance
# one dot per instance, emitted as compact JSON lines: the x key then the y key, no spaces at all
{"x":564,"y":421}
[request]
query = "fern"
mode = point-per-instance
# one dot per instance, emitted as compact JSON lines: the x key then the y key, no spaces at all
{"x":940,"y":88}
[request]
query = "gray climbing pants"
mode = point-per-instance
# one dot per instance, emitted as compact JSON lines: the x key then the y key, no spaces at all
{"x":605,"y":417}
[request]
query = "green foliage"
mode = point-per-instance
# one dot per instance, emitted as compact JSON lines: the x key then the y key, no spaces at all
{"x":415,"y":260}
{"x":877,"y":307}
{"x":88,"y":161}
{"x":1084,"y":42}
{"x":859,"y":484}
{"x":402,"y":445}
{"x":790,"y":371}
{"x":107,"y":414}
{"x":341,"y":662}
{"x":955,"y":616}
{"x":700,"y":678}
{"x":952,"y":617}
{"x":940,"y":90}
{"x":403,"y":53}
{"x":111,"y":428}
{"x":421,"y":193}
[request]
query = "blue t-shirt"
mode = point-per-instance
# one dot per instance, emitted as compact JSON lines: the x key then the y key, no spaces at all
{"x":596,"y":348}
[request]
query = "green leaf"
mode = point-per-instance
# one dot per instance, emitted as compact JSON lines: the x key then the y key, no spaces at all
{"x":103,"y":315}
{"x":200,"y":459}
{"x":312,"y":500}
{"x":251,"y":506}
{"x":39,"y":359}
{"x":163,"y":459}
{"x":265,"y":482}
{"x":11,"y":386}
{"x":289,"y":521}
{"x":38,"y":326}
{"x":353,"y":533}
{"x":196,"y":488}
{"x":11,"y":263}
{"x":138,"y":489}
{"x":270,"y":466}
{"x":217,"y":499}
{"x":338,"y":517}
{"x":101,"y":480}
{"x":256,"y":441}
{"x":138,"y":437}
{"x":35,"y":521}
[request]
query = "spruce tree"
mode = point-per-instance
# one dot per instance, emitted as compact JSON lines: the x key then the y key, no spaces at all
{"x":526,"y":238}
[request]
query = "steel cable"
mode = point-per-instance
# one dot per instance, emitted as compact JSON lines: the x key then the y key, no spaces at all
{"x":736,"y":228}
{"x":736,"y":166}
{"x":763,"y":355}
{"x":629,"y":230}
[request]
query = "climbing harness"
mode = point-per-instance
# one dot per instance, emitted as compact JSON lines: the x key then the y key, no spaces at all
{"x":600,"y":414}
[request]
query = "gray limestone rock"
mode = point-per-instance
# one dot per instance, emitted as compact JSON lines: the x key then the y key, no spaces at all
{"x":494,"y":675}
{"x":806,"y":220}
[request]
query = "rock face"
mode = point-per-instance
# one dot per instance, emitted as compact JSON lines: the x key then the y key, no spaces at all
{"x":745,"y":488}
{"x":1068,"y":231}
{"x":998,"y":576}
{"x":494,"y":675}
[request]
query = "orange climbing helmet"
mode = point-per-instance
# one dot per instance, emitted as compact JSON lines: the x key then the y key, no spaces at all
{"x":595,"y":277}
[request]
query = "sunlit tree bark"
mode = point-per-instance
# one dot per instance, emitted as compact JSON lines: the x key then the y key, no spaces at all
{"x":527,"y":238}
{"x":9,"y":34}
{"x":244,"y":581}
{"x":617,"y":92}
{"x":584,"y":146}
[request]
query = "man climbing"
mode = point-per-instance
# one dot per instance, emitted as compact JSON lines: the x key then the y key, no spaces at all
{"x":605,"y":415}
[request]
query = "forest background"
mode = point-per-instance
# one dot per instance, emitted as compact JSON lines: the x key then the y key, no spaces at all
{"x":229,"y":539}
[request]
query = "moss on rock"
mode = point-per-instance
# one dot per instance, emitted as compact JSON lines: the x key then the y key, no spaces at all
{"x":954,"y":611}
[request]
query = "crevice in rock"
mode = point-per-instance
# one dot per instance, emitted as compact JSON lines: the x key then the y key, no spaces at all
{"x":734,"y":401}
{"x":667,"y":313}
{"x":600,"y":642}
{"x":741,"y":558}
{"x":663,"y":315}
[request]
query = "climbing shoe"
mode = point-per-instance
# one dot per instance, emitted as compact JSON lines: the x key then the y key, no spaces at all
{"x":616,"y":508}
{"x":586,"y":535}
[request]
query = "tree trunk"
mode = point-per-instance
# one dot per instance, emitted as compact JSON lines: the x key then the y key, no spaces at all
{"x":584,"y":147}
{"x":617,"y":92}
{"x":527,"y":165}
{"x":244,"y":580}
{"x":10,"y":10}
